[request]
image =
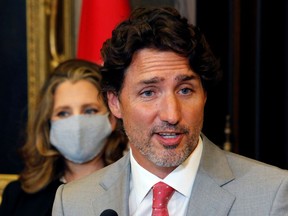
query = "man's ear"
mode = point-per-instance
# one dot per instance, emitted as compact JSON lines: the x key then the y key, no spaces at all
{"x":113,"y":121}
{"x":114,"y":104}
{"x":205,"y":95}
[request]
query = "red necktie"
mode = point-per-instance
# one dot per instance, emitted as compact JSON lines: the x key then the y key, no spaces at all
{"x":161,"y":196}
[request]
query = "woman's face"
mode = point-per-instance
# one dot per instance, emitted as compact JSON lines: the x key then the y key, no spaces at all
{"x":77,"y":98}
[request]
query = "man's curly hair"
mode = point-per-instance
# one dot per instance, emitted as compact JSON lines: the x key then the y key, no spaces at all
{"x":163,"y":29}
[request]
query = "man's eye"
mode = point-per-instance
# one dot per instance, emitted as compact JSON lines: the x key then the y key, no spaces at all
{"x":185,"y":91}
{"x":147,"y":93}
{"x":90,"y":111}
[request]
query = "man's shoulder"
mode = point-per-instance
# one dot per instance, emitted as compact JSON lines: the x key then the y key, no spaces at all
{"x":238,"y":161}
{"x":95,"y":180}
{"x":242,"y":164}
{"x":242,"y":185}
{"x":94,"y":192}
{"x":241,"y":167}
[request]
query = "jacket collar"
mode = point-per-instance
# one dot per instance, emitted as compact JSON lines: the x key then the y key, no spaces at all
{"x":115,"y":188}
{"x":208,"y":195}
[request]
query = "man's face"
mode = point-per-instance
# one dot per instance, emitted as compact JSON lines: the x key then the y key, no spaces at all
{"x":162,"y":106}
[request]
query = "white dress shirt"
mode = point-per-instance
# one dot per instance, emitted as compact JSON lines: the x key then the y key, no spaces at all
{"x":181,"y":179}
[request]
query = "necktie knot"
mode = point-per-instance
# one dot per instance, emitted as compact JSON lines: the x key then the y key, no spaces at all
{"x":161,"y":196}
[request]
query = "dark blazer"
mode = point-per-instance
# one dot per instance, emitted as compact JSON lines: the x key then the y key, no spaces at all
{"x":225,"y":184}
{"x":16,"y":202}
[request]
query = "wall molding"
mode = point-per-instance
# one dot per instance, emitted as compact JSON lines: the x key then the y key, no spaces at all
{"x":50,"y":27}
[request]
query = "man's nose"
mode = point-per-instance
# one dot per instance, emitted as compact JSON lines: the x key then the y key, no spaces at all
{"x":170,"y":109}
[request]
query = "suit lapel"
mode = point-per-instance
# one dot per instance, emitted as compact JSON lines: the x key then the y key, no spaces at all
{"x":208,"y":197}
{"x":115,"y":185}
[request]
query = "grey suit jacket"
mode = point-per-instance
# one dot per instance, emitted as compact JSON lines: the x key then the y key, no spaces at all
{"x":225,"y":184}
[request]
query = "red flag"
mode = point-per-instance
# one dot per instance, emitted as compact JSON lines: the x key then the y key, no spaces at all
{"x":98,"y":19}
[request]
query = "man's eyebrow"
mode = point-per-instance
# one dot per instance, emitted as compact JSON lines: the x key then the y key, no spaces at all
{"x":179,"y":78}
{"x":152,"y":80}
{"x":185,"y":77}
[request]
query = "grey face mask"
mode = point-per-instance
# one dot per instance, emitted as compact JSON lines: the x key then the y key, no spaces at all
{"x":80,"y":138}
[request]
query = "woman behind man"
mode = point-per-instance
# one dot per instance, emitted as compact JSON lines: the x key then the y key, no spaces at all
{"x":71,"y":136}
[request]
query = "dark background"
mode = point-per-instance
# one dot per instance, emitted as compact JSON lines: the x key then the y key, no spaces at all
{"x":13,"y":82}
{"x":249,"y":37}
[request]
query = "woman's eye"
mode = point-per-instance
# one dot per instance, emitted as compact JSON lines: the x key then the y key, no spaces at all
{"x":63,"y":114}
{"x":90,"y":111}
{"x":185,"y":91}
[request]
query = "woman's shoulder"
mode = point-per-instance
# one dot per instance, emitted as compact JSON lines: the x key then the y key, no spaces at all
{"x":10,"y":196}
{"x":13,"y":187}
{"x":17,"y":202}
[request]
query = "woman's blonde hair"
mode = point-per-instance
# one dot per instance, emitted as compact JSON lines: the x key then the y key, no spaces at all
{"x":43,"y":163}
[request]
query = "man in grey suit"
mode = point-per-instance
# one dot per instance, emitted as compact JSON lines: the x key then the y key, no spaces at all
{"x":157,"y":72}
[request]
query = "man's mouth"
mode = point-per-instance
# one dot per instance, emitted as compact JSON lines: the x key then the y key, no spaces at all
{"x":169,"y":138}
{"x":169,"y":135}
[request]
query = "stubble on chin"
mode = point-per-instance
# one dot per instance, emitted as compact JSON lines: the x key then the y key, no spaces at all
{"x":171,"y":156}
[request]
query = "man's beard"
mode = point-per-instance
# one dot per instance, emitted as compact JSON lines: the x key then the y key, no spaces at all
{"x":170,"y":156}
